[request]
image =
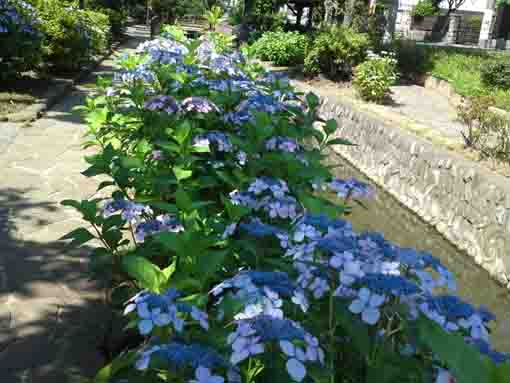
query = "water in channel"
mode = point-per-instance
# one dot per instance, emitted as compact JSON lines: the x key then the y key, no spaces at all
{"x":386,"y":215}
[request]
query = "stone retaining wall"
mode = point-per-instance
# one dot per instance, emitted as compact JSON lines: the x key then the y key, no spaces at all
{"x":468,"y":204}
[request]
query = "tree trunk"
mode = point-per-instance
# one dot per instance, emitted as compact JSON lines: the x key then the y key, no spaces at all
{"x":299,"y":15}
{"x":310,"y":18}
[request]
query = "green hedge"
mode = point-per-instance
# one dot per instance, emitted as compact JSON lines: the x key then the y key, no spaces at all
{"x":73,"y":36}
{"x":282,"y":48}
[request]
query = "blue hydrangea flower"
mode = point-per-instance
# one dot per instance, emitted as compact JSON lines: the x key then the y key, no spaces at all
{"x":284,"y":144}
{"x":258,"y":229}
{"x":161,"y":224}
{"x":367,"y":304}
{"x":179,"y":355}
{"x":389,"y":284}
{"x":204,"y":375}
{"x":351,"y":188}
{"x":163,"y":51}
{"x":130,"y":211}
{"x":220,"y":140}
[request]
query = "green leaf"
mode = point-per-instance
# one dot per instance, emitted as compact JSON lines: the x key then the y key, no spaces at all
{"x":183,"y":200}
{"x":79,"y":237}
{"x":170,"y":241}
{"x":143,"y":271}
{"x":318,"y":205}
{"x":340,"y":141}
{"x":312,"y":100}
{"x":465,"y":363}
{"x":167,"y":272}
{"x":181,"y":174}
{"x":330,"y":127}
{"x":499,"y":373}
{"x":72,"y":203}
{"x":105,"y":184}
{"x":209,"y":262}
{"x":352,"y":326}
{"x":168,"y":207}
{"x":119,"y":363}
{"x":182,"y":132}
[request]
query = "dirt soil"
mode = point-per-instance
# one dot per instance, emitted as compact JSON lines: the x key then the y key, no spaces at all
{"x":17,"y":94}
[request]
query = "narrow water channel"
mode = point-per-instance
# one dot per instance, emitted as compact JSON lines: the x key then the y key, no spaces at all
{"x":400,"y":225}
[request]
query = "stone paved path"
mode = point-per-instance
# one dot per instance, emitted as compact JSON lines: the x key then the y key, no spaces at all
{"x":51,"y":315}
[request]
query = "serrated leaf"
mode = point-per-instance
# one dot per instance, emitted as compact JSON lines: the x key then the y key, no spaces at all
{"x":143,"y":271}
{"x":79,"y":237}
{"x":182,"y":132}
{"x":181,"y":174}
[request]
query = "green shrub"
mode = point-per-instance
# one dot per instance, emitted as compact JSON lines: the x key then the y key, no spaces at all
{"x":335,"y":51}
{"x":425,"y":8}
{"x":282,"y":48}
{"x":117,"y":13}
{"x":73,"y":36}
{"x":373,"y":78}
{"x":487,"y":130}
{"x":496,"y":74}
{"x":223,"y":43}
{"x":476,"y":116}
{"x":20,"y":38}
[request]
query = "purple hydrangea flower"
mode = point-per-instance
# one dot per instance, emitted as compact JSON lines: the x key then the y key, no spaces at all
{"x":167,"y":104}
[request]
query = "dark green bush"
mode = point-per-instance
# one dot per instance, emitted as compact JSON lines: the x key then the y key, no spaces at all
{"x":282,"y":48}
{"x":335,"y":51}
{"x":20,"y":38}
{"x":73,"y":36}
{"x":496,"y":74}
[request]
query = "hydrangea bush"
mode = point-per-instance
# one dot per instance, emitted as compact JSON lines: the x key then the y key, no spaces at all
{"x":20,"y":38}
{"x":237,"y":267}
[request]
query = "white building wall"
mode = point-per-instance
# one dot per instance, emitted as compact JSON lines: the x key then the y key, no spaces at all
{"x":469,"y":5}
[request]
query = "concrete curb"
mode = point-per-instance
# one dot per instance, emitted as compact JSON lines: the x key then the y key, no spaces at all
{"x":57,"y":92}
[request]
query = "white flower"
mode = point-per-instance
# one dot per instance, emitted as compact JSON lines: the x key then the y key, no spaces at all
{"x":367,"y":304}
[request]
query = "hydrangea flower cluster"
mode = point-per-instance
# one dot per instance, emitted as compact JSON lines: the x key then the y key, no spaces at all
{"x":252,"y":334}
{"x":269,"y":195}
{"x":162,"y":223}
{"x":159,"y":310}
{"x":131,"y":212}
{"x":285,"y":268}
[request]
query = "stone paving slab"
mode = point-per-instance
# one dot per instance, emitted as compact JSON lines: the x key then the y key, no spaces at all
{"x":52,"y":317}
